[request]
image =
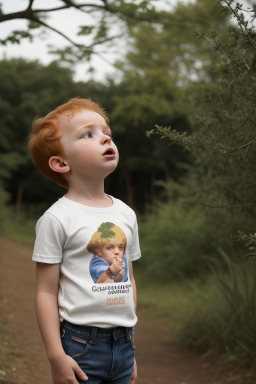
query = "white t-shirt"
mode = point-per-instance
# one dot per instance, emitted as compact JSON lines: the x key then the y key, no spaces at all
{"x":62,"y":236}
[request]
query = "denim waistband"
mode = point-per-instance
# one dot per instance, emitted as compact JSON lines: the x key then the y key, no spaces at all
{"x":95,"y":332}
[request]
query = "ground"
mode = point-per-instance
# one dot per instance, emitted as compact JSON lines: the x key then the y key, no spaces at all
{"x":160,"y":359}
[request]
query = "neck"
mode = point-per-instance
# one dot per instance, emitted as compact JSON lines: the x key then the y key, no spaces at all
{"x":89,"y":193}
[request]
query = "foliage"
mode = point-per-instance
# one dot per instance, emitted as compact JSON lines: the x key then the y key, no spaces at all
{"x":222,"y":141}
{"x":179,"y":238}
{"x":212,"y":313}
{"x":42,"y":88}
{"x":250,"y":242}
{"x":21,"y":99}
{"x":220,"y":180}
{"x":21,"y":228}
{"x":156,"y":71}
{"x":101,"y":17}
{"x":222,"y":318}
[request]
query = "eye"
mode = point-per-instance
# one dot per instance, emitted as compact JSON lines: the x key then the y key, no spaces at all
{"x":87,"y":135}
{"x":109,"y":134}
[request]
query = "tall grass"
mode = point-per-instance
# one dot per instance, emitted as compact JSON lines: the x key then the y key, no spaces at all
{"x":222,"y":318}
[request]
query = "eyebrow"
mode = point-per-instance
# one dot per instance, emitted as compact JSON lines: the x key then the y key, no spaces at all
{"x":91,"y":125}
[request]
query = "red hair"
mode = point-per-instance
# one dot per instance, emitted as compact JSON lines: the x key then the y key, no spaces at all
{"x":45,"y":137}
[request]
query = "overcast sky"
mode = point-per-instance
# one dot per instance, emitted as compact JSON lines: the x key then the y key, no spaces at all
{"x":67,"y":21}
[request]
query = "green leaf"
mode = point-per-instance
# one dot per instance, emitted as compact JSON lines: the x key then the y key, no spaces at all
{"x":85,"y":30}
{"x":105,"y":230}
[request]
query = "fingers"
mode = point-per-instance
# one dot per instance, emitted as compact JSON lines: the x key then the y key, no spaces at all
{"x":80,"y":373}
{"x":134,"y":373}
{"x":120,"y":261}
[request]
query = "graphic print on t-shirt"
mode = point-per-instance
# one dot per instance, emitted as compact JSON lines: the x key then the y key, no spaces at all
{"x":108,"y":246}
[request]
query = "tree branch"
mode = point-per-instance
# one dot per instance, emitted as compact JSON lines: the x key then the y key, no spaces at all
{"x":16,"y":15}
{"x":76,"y":6}
{"x":35,"y":19}
{"x":30,"y":4}
{"x":247,"y":145}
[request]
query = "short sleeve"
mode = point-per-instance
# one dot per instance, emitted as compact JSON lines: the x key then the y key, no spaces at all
{"x":133,"y":249}
{"x":50,"y":240}
{"x":97,"y":267}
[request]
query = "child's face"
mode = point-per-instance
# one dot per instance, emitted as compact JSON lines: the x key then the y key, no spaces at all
{"x":89,"y":150}
{"x":111,"y":250}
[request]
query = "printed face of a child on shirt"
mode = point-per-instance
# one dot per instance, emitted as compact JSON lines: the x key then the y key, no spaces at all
{"x":112,"y":252}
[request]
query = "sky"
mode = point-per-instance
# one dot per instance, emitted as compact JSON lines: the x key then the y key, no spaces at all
{"x":67,"y":21}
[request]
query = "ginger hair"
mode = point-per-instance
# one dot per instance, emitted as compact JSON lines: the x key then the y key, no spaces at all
{"x":45,"y":137}
{"x":106,"y":232}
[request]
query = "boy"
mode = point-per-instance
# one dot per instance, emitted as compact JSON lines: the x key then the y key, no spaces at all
{"x":72,"y":145}
{"x":108,"y":247}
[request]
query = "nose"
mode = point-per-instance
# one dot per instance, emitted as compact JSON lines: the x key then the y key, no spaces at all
{"x":105,"y":139}
{"x":117,"y":251}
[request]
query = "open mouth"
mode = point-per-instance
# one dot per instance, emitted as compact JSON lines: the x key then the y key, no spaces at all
{"x":109,"y":152}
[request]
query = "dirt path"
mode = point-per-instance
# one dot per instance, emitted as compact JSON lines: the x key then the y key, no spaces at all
{"x":160,"y":360}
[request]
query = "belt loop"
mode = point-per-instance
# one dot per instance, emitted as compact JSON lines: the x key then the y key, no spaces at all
{"x":93,"y":335}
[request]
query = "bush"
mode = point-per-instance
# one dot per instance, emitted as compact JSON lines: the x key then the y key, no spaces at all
{"x":178,"y":238}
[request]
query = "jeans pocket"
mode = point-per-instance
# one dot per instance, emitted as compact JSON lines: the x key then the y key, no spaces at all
{"x":74,"y":345}
{"x":79,"y":346}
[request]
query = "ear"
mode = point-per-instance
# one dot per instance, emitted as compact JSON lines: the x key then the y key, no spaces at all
{"x":57,"y":164}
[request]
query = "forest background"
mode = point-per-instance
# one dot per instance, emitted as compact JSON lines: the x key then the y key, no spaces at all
{"x":182,"y":109}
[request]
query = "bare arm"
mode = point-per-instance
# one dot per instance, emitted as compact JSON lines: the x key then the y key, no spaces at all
{"x":134,"y":373}
{"x":63,"y":367}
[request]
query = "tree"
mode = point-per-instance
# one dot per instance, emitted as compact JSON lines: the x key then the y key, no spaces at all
{"x":222,"y":141}
{"x":104,"y":15}
{"x":35,"y":93}
{"x":160,"y":64}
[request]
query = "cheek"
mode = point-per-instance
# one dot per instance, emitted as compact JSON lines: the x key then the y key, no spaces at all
{"x":117,"y":155}
{"x":116,"y":151}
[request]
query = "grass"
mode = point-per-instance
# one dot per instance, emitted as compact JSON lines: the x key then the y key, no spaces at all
{"x":215,"y":314}
{"x":170,"y":301}
{"x":222,"y":319}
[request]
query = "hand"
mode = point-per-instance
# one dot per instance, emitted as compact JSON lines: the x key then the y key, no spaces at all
{"x":64,"y":369}
{"x":117,"y":265}
{"x":134,"y":373}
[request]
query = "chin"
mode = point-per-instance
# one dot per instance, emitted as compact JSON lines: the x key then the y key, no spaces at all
{"x":111,"y":169}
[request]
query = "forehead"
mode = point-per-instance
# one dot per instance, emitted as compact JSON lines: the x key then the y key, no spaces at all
{"x":113,"y":241}
{"x":69,"y":122}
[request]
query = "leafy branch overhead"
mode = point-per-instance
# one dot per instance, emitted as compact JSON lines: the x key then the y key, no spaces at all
{"x":106,"y":22}
{"x":224,"y":117}
{"x":104,"y":13}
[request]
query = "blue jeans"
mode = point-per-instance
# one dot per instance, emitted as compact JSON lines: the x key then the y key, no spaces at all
{"x":105,"y":355}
